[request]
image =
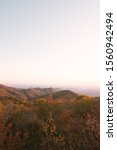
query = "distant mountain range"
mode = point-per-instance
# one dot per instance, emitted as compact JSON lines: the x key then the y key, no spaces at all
{"x":30,"y":93}
{"x":62,"y":95}
{"x":33,"y":93}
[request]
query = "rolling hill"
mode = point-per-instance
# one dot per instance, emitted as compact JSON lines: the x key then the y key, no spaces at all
{"x":34,"y":93}
{"x":30,"y":93}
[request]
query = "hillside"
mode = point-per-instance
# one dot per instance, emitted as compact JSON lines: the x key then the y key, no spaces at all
{"x":69,"y":121}
{"x":64,"y":95}
{"x":35,"y":92}
{"x":32,"y":93}
{"x":6,"y":91}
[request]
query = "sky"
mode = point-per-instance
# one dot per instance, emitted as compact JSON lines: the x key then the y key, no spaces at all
{"x":49,"y":43}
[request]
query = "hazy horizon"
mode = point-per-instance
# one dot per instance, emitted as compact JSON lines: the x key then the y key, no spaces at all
{"x":80,"y":90}
{"x":50,"y":43}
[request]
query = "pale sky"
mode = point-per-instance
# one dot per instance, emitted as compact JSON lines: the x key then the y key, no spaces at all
{"x":49,"y":43}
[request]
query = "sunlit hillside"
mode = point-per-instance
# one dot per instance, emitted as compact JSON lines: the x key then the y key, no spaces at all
{"x":61,"y":120}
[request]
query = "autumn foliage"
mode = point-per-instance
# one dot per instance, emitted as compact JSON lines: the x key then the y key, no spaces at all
{"x":48,"y":124}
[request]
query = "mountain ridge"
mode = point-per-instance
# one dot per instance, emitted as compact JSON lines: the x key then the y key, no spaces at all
{"x":29,"y":93}
{"x":33,"y":93}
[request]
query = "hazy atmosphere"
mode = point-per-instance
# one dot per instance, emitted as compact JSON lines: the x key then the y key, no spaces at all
{"x":49,"y":43}
{"x":49,"y":75}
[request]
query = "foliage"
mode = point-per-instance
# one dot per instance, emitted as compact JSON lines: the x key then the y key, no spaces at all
{"x":48,"y":124}
{"x":8,"y":140}
{"x":52,"y":139}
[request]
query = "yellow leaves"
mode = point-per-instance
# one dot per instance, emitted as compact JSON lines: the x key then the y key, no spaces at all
{"x":49,"y":127}
{"x":50,"y":124}
{"x":39,"y":101}
{"x":52,"y":139}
